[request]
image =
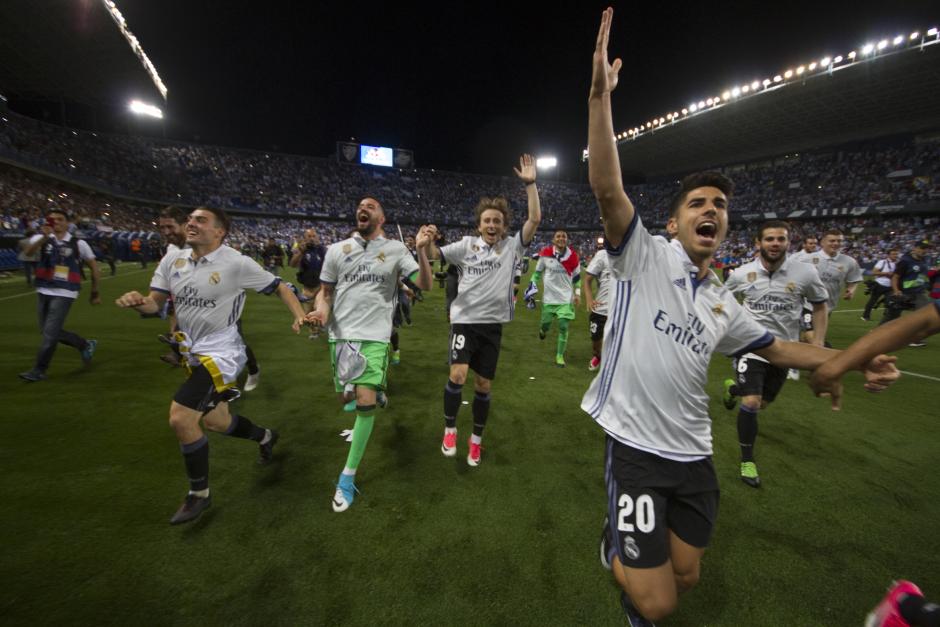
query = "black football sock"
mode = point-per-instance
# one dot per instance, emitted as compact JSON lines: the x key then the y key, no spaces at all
{"x":452,"y":396}
{"x":917,"y":611}
{"x":481,"y":411}
{"x":394,"y":340}
{"x":241,"y":427}
{"x":252,"y":362}
{"x":196,"y":459}
{"x":747,"y":432}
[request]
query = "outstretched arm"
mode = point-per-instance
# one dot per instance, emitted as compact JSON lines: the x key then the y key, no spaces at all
{"x":323,"y":305}
{"x":886,"y":338}
{"x":526,"y":172}
{"x":288,"y":297}
{"x":603,"y":162}
{"x":149,"y":304}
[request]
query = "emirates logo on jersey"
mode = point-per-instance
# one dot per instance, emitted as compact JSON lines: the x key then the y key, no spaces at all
{"x":215,"y":278}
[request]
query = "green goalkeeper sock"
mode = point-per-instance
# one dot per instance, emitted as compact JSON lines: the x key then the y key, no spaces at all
{"x":562,"y":337}
{"x":361,"y":432}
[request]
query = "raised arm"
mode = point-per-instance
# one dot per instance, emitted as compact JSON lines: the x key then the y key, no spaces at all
{"x":603,"y":162}
{"x":424,"y":242}
{"x":526,"y":172}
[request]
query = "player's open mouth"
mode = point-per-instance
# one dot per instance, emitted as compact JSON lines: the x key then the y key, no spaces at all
{"x":362,"y":217}
{"x":707,"y":231}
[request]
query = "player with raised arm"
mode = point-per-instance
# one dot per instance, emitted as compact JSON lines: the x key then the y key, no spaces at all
{"x":359,"y":283}
{"x":773,"y":288}
{"x":559,"y":269}
{"x":650,"y":397}
{"x":484,"y":303}
{"x":596,"y":301}
{"x":207,"y":282}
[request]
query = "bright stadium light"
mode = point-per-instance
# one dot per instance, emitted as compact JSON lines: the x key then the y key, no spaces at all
{"x":838,"y":59}
{"x":685,"y":111}
{"x":852,"y":55}
{"x":755,"y":85}
{"x":693,"y":107}
{"x":932,"y":32}
{"x":701,"y":104}
{"x":824,"y":62}
{"x":736,"y":92}
{"x":766,"y":82}
{"x":545,"y":163}
{"x":142,"y":108}
{"x":868,"y":48}
{"x":882,"y":44}
{"x":897,"y":40}
{"x":778,"y":78}
{"x":800,"y":70}
{"x":788,"y":74}
{"x":812,"y":66}
{"x":914,"y":35}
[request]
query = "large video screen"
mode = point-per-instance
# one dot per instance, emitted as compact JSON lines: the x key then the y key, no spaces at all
{"x":374,"y":155}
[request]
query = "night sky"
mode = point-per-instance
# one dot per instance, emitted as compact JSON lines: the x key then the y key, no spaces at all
{"x":469,"y":87}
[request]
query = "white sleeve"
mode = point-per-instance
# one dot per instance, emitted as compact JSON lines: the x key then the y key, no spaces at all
{"x":161,"y":276}
{"x":743,"y":334}
{"x":456,"y":252}
{"x":84,"y":250}
{"x":540,"y":265}
{"x":854,"y":275}
{"x":329,"y":272}
{"x":815,"y":291}
{"x":734,"y":282}
{"x":252,"y":276}
{"x":594,"y":268}
{"x":406,"y":263}
{"x":634,"y":254}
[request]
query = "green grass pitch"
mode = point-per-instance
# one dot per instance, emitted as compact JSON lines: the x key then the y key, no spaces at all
{"x":92,"y":472}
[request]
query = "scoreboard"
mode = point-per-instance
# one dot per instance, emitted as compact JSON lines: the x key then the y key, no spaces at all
{"x":352,"y":153}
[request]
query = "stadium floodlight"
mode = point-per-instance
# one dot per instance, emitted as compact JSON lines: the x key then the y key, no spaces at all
{"x":685,"y":111}
{"x":142,"y":108}
{"x":736,"y":92}
{"x":852,"y":55}
{"x":824,"y":62}
{"x":701,"y":104}
{"x":914,"y":35}
{"x":882,"y":44}
{"x":661,"y":120}
{"x":545,"y":163}
{"x":932,"y":32}
{"x":693,"y":107}
{"x":766,"y":82}
{"x":709,"y":102}
{"x":745,"y":89}
{"x":897,"y":40}
{"x":868,"y":48}
{"x":812,"y":66}
{"x":838,"y":59}
{"x":675,"y":114}
{"x":800,"y":69}
{"x":778,"y":78}
{"x":788,"y":74}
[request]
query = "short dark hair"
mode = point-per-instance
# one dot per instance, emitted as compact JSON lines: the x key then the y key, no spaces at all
{"x":175,"y":213}
{"x":220,"y":217}
{"x":709,"y":178}
{"x":61,"y":212}
{"x":835,"y":232}
{"x":772,"y":224}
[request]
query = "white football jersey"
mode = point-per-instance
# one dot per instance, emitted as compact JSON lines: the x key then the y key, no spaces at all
{"x":835,"y":273}
{"x":557,"y":284}
{"x":662,"y":328}
{"x":484,"y":288}
{"x":600,"y":268}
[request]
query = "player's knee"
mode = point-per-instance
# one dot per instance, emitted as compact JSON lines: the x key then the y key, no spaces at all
{"x":688,"y":579}
{"x":482,"y":385}
{"x":458,"y":376}
{"x":180,"y":417}
{"x":754,"y":403}
{"x":654,"y":606}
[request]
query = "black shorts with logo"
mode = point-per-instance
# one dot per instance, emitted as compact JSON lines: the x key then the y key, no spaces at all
{"x":597,"y":322}
{"x":806,"y":320}
{"x":476,"y":345}
{"x":648,"y":496}
{"x":758,"y":378}
{"x":198,"y":392}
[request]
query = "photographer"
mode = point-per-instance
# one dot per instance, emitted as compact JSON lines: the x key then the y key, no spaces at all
{"x":909,"y":284}
{"x":308,"y":259}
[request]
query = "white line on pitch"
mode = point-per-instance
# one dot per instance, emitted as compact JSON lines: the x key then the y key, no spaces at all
{"x":104,"y":278}
{"x":847,"y":311}
{"x":920,"y":376}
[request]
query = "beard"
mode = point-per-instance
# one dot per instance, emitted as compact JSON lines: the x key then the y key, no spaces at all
{"x":769,"y":258}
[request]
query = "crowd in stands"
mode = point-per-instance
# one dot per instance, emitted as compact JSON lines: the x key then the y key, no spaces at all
{"x":162,"y":171}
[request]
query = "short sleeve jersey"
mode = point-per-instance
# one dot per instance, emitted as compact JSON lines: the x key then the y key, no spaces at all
{"x":557,"y":284}
{"x":365,"y":274}
{"x":885,"y":265}
{"x":84,"y":251}
{"x":484,"y":288}
{"x":912,"y":274}
{"x":775,"y":299}
{"x":209,"y":293}
{"x":835,"y":273}
{"x":600,"y":268}
{"x":662,"y":328}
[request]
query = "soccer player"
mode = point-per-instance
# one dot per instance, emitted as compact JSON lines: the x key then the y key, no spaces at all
{"x":839,"y":273}
{"x":58,"y":281}
{"x":483,"y":303}
{"x":308,"y":259}
{"x":773,"y":288}
{"x":599,"y":270}
{"x":359,"y":283}
{"x":650,"y":398}
{"x":172,"y":226}
{"x":559,"y":269}
{"x":810,"y":246}
{"x":207,"y":282}
{"x":881,"y":286}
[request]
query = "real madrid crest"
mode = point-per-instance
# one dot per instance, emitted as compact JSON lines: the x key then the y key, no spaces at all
{"x":718,"y":309}
{"x":840,"y":268}
{"x":381,"y":257}
{"x":751,"y":277}
{"x":179,"y":263}
{"x":347,"y":248}
{"x":791,"y":287}
{"x":475,"y":248}
{"x":215,"y":278}
{"x":815,"y":260}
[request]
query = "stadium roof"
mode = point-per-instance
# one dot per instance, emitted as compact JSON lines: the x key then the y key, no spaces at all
{"x":888,"y":95}
{"x":70,"y":50}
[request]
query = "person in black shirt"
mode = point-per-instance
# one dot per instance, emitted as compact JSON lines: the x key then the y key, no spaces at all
{"x":308,"y":259}
{"x":273,"y":256}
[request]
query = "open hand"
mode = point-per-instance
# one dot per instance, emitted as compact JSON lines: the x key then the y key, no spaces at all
{"x":604,"y":75}
{"x":526,"y":169}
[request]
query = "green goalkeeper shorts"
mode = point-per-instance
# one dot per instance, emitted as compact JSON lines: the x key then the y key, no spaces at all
{"x":376,"y":367}
{"x":565,"y":312}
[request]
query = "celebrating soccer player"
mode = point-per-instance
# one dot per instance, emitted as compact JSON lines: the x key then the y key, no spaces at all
{"x":359,"y":283}
{"x":483,"y":304}
{"x":560,"y":270}
{"x":650,"y":397}
{"x":596,"y":301}
{"x":773,"y":287}
{"x":207,"y":282}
